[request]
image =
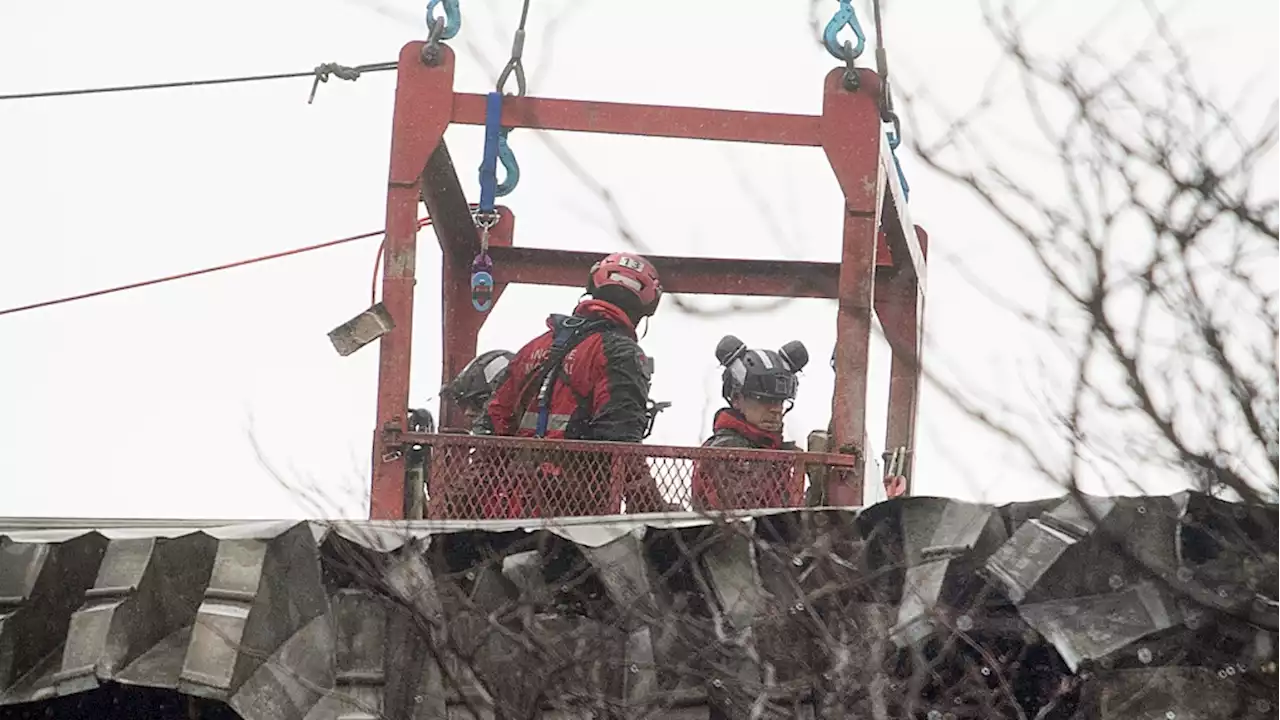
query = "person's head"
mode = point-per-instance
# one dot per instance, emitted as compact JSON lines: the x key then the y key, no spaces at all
{"x":471,"y":389}
{"x":628,"y":281}
{"x":421,"y":420}
{"x":760,"y":384}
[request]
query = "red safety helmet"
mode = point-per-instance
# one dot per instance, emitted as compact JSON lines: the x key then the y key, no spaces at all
{"x":632,"y":273}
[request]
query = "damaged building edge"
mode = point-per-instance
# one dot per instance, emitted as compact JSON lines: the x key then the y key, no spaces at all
{"x":1106,"y":607}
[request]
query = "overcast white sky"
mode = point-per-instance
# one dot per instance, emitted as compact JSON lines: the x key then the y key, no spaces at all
{"x":142,"y":403}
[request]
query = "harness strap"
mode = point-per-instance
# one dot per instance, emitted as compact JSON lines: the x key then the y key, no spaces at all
{"x":567,"y":334}
{"x":570,"y":332}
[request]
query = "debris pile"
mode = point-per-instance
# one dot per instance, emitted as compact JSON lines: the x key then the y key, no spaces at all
{"x":1146,"y":607}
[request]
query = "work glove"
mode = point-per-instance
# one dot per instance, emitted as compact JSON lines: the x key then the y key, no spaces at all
{"x":895,"y":486}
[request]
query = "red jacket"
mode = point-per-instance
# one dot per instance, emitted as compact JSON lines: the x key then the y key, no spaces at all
{"x":601,"y":394}
{"x":602,"y":390}
{"x":743,"y":484}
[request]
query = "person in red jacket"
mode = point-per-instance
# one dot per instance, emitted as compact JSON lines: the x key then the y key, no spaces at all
{"x":760,"y":386}
{"x":586,"y":378}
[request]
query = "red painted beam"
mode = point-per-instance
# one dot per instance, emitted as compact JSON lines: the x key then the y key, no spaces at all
{"x":896,"y":226}
{"x":900,"y":307}
{"x":851,"y":129}
{"x":692,"y":276}
{"x":644,"y":120}
{"x":415,"y":135}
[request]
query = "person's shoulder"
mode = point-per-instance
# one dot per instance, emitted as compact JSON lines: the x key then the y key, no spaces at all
{"x":724,"y":438}
{"x":536,"y":343}
{"x":614,"y":330}
{"x":614,"y":339}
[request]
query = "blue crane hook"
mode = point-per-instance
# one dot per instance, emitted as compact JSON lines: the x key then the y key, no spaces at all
{"x":510,"y":168}
{"x":844,"y":16}
{"x":452,"y":17}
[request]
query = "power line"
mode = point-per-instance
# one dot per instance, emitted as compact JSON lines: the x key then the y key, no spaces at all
{"x":321,"y":74}
{"x":204,"y":271}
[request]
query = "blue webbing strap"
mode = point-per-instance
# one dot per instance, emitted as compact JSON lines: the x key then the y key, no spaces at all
{"x":489,"y":161}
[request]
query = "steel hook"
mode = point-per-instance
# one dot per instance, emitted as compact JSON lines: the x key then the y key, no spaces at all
{"x":452,"y":17}
{"x":845,"y":16}
{"x":511,"y":168}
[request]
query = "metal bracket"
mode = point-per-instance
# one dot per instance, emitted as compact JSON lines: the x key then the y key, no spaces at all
{"x":361,"y":330}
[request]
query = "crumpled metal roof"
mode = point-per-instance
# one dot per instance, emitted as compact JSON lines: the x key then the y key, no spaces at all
{"x":1149,"y":607}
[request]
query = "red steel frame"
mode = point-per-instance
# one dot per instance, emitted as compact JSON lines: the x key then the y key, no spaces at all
{"x":881,"y":271}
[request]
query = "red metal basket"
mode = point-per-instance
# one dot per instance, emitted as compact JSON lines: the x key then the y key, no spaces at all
{"x":477,"y":477}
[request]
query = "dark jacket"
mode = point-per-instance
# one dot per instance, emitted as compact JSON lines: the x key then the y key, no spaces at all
{"x":743,"y":484}
{"x":601,"y":394}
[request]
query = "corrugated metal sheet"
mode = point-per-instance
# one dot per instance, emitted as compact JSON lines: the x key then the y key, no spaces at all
{"x":1157,"y":607}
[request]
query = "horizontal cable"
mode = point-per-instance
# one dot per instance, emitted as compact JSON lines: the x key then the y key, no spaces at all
{"x":203,"y":271}
{"x":321,"y":74}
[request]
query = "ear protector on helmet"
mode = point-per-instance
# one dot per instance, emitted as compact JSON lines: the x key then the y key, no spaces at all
{"x":763,"y":374}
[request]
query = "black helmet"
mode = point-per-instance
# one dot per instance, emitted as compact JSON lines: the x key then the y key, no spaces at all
{"x":421,"y":420}
{"x":479,"y":378}
{"x":764,"y":374}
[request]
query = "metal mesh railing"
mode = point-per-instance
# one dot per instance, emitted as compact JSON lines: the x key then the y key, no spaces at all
{"x":477,"y":477}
